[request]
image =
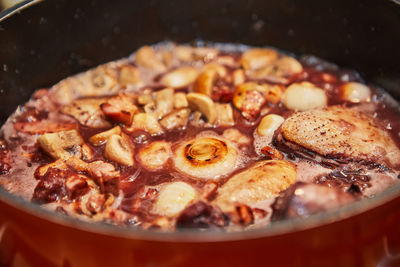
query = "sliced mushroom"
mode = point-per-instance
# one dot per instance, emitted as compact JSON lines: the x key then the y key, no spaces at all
{"x":87,"y":152}
{"x":262,"y":181}
{"x":218,"y":68}
{"x":87,"y":112}
{"x":95,"y":82}
{"x":204,"y":83}
{"x":225,"y":114}
{"x":181,"y":77}
{"x":61,"y":145}
{"x":129,"y":74}
{"x":120,"y":109}
{"x":155,"y":156}
{"x":101,"y":138}
{"x":257,"y":58}
{"x":176,"y":119}
{"x":204,"y":104}
{"x":186,"y":53}
{"x":174,"y":197}
{"x":288,"y":66}
{"x":144,"y":99}
{"x":147,"y":122}
{"x":146,"y":57}
{"x":118,"y":149}
{"x":164,"y":102}
{"x":207,"y":81}
{"x":180,"y":100}
{"x":278,"y":72}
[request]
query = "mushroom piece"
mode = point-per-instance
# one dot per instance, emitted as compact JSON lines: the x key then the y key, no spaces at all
{"x":99,"y":81}
{"x":205,"y":82}
{"x":61,"y":145}
{"x":155,"y":155}
{"x":147,"y":57}
{"x":204,"y":104}
{"x":87,"y":112}
{"x":101,"y":138}
{"x":147,"y":122}
{"x":129,"y":74}
{"x":87,"y":152}
{"x":225,"y":114}
{"x":186,"y":53}
{"x":180,"y":100}
{"x":181,"y":77}
{"x":145,"y":99}
{"x":278,"y":72}
{"x":164,"y":102}
{"x":257,"y":58}
{"x":176,"y":119}
{"x":119,"y":149}
{"x":288,"y":66}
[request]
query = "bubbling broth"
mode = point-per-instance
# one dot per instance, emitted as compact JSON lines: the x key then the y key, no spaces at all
{"x":221,"y":136}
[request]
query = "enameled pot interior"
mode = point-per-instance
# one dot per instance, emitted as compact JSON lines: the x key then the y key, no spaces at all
{"x":43,"y":42}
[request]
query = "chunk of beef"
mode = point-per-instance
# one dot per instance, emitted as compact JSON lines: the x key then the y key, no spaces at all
{"x":201,"y":215}
{"x":303,"y":199}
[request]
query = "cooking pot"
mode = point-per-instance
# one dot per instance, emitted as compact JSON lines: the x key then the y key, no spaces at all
{"x":42,"y":42}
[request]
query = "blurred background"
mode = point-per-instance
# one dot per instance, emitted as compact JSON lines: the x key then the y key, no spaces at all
{"x":4,"y":4}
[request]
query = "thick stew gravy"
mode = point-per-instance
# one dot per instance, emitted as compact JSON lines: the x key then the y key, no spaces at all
{"x":221,"y":136}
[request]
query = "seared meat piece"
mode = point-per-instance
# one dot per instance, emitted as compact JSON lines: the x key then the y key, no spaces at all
{"x":341,"y":134}
{"x":262,"y":181}
{"x":87,"y":111}
{"x":304,"y":199}
{"x":201,"y":215}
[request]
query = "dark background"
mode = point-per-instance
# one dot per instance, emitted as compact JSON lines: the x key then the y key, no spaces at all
{"x":54,"y":39}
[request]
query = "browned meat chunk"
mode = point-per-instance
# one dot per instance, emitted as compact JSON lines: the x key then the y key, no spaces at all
{"x":120,"y":109}
{"x":201,"y":215}
{"x":38,"y":127}
{"x":262,"y":181}
{"x":339,"y":133}
{"x":304,"y":199}
{"x":87,"y":112}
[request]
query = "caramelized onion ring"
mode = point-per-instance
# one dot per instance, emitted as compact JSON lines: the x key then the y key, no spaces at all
{"x":206,"y":157}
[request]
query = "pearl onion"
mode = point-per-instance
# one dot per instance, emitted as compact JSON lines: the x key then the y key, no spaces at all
{"x":304,"y":96}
